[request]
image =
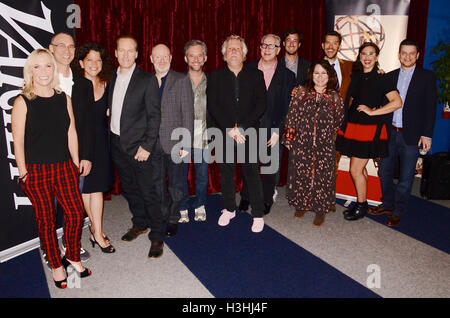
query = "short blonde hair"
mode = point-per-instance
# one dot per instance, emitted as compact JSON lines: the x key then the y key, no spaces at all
{"x":234,"y":37}
{"x":28,"y":86}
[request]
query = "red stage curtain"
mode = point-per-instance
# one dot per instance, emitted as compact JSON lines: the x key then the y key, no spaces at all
{"x":174,"y":22}
{"x":417,"y":25}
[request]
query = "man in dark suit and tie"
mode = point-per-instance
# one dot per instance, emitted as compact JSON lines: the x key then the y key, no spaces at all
{"x":177,"y":111}
{"x":279,"y":83}
{"x":411,"y":128}
{"x":331,"y":44}
{"x":292,"y":41}
{"x":135,"y":120}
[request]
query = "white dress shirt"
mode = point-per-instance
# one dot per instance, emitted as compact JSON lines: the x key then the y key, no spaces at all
{"x":66,"y":83}
{"x":337,"y":68}
{"x":120,"y":89}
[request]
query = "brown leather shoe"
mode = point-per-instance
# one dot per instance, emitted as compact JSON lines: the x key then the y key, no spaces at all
{"x":299,"y":214}
{"x":379,"y":210}
{"x":156,"y":250}
{"x":319,"y":219}
{"x":132,"y":234}
{"x":393,"y":220}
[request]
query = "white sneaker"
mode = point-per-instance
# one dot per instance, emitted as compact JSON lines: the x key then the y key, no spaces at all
{"x":226,"y":216}
{"x":200,"y":213}
{"x":275,"y":195}
{"x":258,"y":225}
{"x":184,"y":218}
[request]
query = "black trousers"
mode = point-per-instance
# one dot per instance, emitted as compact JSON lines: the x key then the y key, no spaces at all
{"x":255,"y":192}
{"x":269,"y":181}
{"x":140,"y":182}
{"x":171,"y":187}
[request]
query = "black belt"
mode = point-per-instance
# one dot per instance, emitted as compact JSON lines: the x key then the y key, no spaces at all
{"x":397,"y":128}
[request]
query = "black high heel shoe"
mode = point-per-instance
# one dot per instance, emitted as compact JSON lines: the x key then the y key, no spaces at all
{"x":105,"y":237}
{"x":59,"y":283}
{"x":108,"y":249}
{"x":87,"y":272}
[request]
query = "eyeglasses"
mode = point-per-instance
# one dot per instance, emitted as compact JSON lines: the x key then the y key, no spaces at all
{"x":62,"y":46}
{"x":268,"y":46}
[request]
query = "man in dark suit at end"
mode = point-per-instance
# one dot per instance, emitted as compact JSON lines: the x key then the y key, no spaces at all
{"x":177,"y":111}
{"x":135,"y":120}
{"x":292,"y":41}
{"x":411,"y":128}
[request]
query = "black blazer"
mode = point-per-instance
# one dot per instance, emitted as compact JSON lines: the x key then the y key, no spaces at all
{"x":419,"y":107}
{"x":302,"y":69}
{"x":237,"y":100}
{"x":83,"y":111}
{"x":278,"y":97}
{"x":141,"y":112}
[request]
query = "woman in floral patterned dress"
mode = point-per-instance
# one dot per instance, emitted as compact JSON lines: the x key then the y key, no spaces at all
{"x":315,"y":114}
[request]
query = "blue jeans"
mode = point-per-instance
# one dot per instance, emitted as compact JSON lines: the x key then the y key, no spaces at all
{"x":396,"y":198}
{"x":201,"y":178}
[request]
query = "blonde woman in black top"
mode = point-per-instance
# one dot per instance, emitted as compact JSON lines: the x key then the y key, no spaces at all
{"x":46,"y":152}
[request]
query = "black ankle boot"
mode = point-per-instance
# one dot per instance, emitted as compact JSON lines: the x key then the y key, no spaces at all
{"x":350,"y":211}
{"x":359,"y":211}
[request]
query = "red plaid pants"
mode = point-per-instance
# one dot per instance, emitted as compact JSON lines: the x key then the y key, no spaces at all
{"x":44,"y":182}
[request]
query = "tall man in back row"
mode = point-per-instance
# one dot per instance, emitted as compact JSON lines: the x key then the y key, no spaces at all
{"x":411,"y":128}
{"x":292,"y":41}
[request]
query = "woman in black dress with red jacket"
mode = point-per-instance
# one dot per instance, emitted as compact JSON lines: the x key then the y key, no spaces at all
{"x":370,"y":101}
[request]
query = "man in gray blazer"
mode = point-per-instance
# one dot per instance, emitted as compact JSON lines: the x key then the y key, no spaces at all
{"x":177,"y":111}
{"x":135,"y":119}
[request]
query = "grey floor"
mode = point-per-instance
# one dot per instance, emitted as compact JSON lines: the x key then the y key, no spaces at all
{"x":408,"y":268}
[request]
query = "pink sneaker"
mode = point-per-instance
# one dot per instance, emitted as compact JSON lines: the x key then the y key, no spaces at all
{"x":258,"y":225}
{"x":226,"y":216}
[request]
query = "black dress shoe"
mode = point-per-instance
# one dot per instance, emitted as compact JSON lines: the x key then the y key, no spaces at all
{"x":359,"y":211}
{"x":132,"y":234}
{"x":267,"y":208}
{"x":172,"y":229}
{"x":243,"y":205}
{"x":156,"y":250}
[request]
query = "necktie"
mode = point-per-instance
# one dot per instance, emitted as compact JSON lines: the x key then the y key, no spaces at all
{"x":337,"y":78}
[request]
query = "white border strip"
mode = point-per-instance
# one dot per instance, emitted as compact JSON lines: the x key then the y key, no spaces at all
{"x":30,"y":245}
{"x":351,"y":198}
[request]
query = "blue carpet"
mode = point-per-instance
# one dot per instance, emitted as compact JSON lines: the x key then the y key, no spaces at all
{"x":424,"y":221}
{"x":23,"y":277}
{"x":234,"y":262}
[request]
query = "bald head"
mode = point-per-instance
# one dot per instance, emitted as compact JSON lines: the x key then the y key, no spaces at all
{"x":161,"y":59}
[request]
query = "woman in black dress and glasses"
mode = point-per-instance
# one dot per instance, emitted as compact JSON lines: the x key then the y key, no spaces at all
{"x":370,"y":101}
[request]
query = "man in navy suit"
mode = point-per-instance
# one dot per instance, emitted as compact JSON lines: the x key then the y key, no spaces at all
{"x":411,"y":129}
